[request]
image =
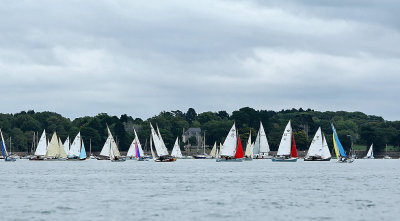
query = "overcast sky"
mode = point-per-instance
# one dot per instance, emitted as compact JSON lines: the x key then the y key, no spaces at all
{"x":142,"y":57}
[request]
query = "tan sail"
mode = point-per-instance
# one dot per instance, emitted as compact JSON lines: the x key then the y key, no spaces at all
{"x":62,"y":153}
{"x":53,"y":147}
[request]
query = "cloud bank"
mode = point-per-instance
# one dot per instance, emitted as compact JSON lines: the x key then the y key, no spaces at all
{"x":141,"y":57}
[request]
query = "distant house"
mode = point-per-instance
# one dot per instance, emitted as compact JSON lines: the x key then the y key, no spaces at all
{"x":192,"y":132}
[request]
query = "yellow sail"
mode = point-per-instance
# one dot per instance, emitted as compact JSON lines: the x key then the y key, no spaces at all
{"x":335,"y":147}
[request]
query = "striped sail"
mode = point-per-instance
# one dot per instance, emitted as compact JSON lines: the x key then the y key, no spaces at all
{"x":338,"y":145}
{"x":3,"y":145}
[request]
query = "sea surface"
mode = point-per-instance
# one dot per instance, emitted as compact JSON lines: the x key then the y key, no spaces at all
{"x":200,"y":190}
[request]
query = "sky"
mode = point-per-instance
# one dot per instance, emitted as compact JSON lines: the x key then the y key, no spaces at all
{"x":84,"y":57}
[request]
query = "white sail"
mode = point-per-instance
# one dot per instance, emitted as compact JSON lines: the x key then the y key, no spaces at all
{"x":41,"y":148}
{"x":66,"y":145}
{"x":315,"y":149}
{"x":229,"y":147}
{"x":249,"y":148}
{"x":4,"y":143}
{"x":286,"y":141}
{"x":53,"y":148}
{"x":110,"y":145}
{"x":139,"y":146}
{"x":326,"y":154}
{"x":213,"y":152}
{"x":132,"y":151}
{"x":264,"y":146}
{"x":153,"y":155}
{"x":162,"y":141}
{"x":76,"y":145}
{"x":370,"y":153}
{"x":158,"y":143}
{"x":176,"y":151}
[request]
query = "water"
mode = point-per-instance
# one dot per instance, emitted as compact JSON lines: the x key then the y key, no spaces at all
{"x":200,"y":190}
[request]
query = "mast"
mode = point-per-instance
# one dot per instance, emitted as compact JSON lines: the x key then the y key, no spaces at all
{"x":204,"y":143}
{"x":90,"y":146}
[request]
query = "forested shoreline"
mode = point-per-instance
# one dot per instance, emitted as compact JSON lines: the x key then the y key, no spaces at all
{"x":364,"y":129}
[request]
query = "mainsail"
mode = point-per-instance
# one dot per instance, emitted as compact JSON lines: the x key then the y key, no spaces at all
{"x":110,"y":145}
{"x":229,"y":147}
{"x":158,"y":143}
{"x":239,"y":150}
{"x":316,"y":146}
{"x":66,"y":145}
{"x":326,"y":154}
{"x":3,"y":146}
{"x":176,"y":151}
{"x":76,"y":145}
{"x":82,"y":154}
{"x":41,"y":148}
{"x":61,"y":147}
{"x":135,"y":146}
{"x":213,"y":152}
{"x":370,"y":153}
{"x":285,"y":145}
{"x":338,"y":146}
{"x":261,"y":145}
{"x":55,"y":148}
{"x":249,"y":148}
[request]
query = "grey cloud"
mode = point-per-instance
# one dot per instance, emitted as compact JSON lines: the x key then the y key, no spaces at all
{"x":85,"y":57}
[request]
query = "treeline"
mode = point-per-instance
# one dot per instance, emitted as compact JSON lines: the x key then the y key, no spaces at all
{"x":364,"y":129}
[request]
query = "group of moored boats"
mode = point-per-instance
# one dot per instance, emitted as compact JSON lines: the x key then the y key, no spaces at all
{"x":230,"y":151}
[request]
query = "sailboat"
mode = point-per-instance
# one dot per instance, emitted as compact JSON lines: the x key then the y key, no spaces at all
{"x":4,"y":150}
{"x":135,"y":150}
{"x":176,"y":150}
{"x":55,"y":150}
{"x":66,"y":145}
{"x":318,"y":150}
{"x":76,"y":147}
{"x":202,"y":156}
{"x":339,"y":150}
{"x":41,"y":148}
{"x":110,"y":150}
{"x":386,"y":157}
{"x":249,"y":149}
{"x":370,"y":154}
{"x":287,"y":151}
{"x":213,"y":152}
{"x":229,"y":148}
{"x":261,"y":147}
{"x":161,"y":149}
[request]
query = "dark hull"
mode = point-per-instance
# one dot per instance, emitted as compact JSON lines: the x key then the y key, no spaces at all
{"x":317,"y":159}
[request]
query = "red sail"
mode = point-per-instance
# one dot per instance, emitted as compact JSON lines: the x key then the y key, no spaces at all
{"x":239,"y":150}
{"x":294,"y":150}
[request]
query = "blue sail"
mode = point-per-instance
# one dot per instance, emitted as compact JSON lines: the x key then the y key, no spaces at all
{"x":82,"y":155}
{"x":339,"y":145}
{"x":137,"y":151}
{"x":2,"y":149}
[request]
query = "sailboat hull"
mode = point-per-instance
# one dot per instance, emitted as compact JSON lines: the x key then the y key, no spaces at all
{"x":228,"y":160}
{"x":248,"y":159}
{"x":200,"y":157}
{"x":284,"y":160}
{"x":38,"y":158}
{"x":10,"y":159}
{"x":316,"y":159}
